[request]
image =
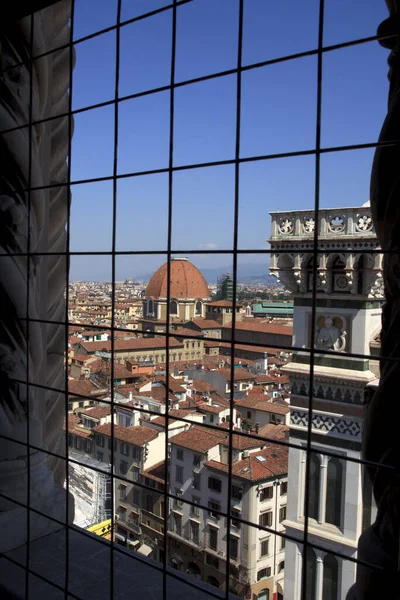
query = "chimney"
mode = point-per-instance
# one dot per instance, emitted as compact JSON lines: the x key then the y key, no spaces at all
{"x":257,"y":427}
{"x":130,"y":396}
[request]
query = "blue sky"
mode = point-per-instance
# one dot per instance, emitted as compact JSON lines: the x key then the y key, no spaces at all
{"x":278,"y":115}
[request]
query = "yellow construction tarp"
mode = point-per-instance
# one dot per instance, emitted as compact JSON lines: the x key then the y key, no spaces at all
{"x":102,"y":529}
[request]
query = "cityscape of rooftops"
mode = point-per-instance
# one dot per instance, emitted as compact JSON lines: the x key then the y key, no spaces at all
{"x":204,"y":384}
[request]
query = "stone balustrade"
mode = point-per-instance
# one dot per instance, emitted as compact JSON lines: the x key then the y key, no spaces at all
{"x":332,"y":223}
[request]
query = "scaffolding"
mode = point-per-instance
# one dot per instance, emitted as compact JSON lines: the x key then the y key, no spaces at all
{"x":91,"y":489}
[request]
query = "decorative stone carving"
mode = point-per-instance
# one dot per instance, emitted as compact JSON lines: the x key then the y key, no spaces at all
{"x":309,"y":225}
{"x":330,"y":333}
{"x":286,"y":226}
{"x":364,"y":222}
{"x":337,"y":224}
{"x":33,"y":348}
{"x":324,"y":423}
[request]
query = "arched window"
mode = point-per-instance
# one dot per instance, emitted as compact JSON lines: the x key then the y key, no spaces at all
{"x":213,"y":581}
{"x":314,"y":486}
{"x":173,"y":307}
{"x":199,"y":307}
{"x":311,"y":581}
{"x":339,"y":279}
{"x":263,"y":595}
{"x":333,"y":509}
{"x":150,"y":307}
{"x":330,"y":578}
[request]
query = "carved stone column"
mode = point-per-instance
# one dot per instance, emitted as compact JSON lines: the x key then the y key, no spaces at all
{"x":40,"y":217}
{"x":380,"y":543}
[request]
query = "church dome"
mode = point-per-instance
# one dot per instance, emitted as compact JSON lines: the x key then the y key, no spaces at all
{"x":186,"y":281}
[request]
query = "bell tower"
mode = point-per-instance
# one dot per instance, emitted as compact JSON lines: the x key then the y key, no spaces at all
{"x":349,"y":294}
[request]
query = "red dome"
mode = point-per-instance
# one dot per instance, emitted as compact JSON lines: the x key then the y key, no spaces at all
{"x":186,"y":281}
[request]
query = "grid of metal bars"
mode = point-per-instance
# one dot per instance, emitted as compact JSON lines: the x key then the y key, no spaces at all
{"x":317,"y":151}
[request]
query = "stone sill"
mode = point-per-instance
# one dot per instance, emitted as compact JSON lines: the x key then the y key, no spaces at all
{"x":89,"y":572}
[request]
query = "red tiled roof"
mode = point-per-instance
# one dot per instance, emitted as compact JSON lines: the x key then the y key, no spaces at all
{"x":156,"y":472}
{"x":256,"y":325}
{"x":212,"y":408}
{"x":184,"y":331}
{"x":73,"y":427}
{"x":261,"y":403}
{"x":81,"y":357}
{"x":198,"y":439}
{"x":223,"y":303}
{"x":186,"y":281}
{"x":212,"y":343}
{"x":173,"y":383}
{"x":274,"y":431}
{"x":252,"y":469}
{"x":240,"y":374}
{"x":83,"y":387}
{"x":138,"y":435}
{"x":97,"y":412}
{"x":188,"y":403}
{"x":159,"y":394}
{"x":200,"y":385}
{"x":206,"y":323}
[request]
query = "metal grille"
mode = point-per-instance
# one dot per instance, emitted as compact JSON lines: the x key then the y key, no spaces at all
{"x":234,"y":250}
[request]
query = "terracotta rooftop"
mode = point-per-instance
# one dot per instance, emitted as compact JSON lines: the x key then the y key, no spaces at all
{"x":83,"y":387}
{"x":212,"y":342}
{"x":274,"y":462}
{"x":138,"y":435}
{"x":75,"y":428}
{"x":200,"y":385}
{"x":223,"y":303}
{"x":206,"y":323}
{"x":256,"y":325}
{"x":261,"y":403}
{"x":174,"y":384}
{"x":198,"y":439}
{"x":97,"y":412}
{"x":186,"y":281}
{"x":274,"y":431}
{"x":80,"y":357}
{"x":156,"y":472}
{"x":212,"y":408}
{"x":264,"y":379}
{"x":159,"y":394}
{"x":184,"y":331}
{"x":239,"y":374}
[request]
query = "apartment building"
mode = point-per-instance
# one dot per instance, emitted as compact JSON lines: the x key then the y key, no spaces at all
{"x":198,"y":537}
{"x":136,"y":449}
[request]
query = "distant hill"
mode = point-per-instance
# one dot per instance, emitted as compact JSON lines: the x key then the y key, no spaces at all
{"x":258,"y":279}
{"x":251,"y":274}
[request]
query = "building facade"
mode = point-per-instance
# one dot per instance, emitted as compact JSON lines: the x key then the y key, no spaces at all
{"x":198,"y":538}
{"x":348,"y":297}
